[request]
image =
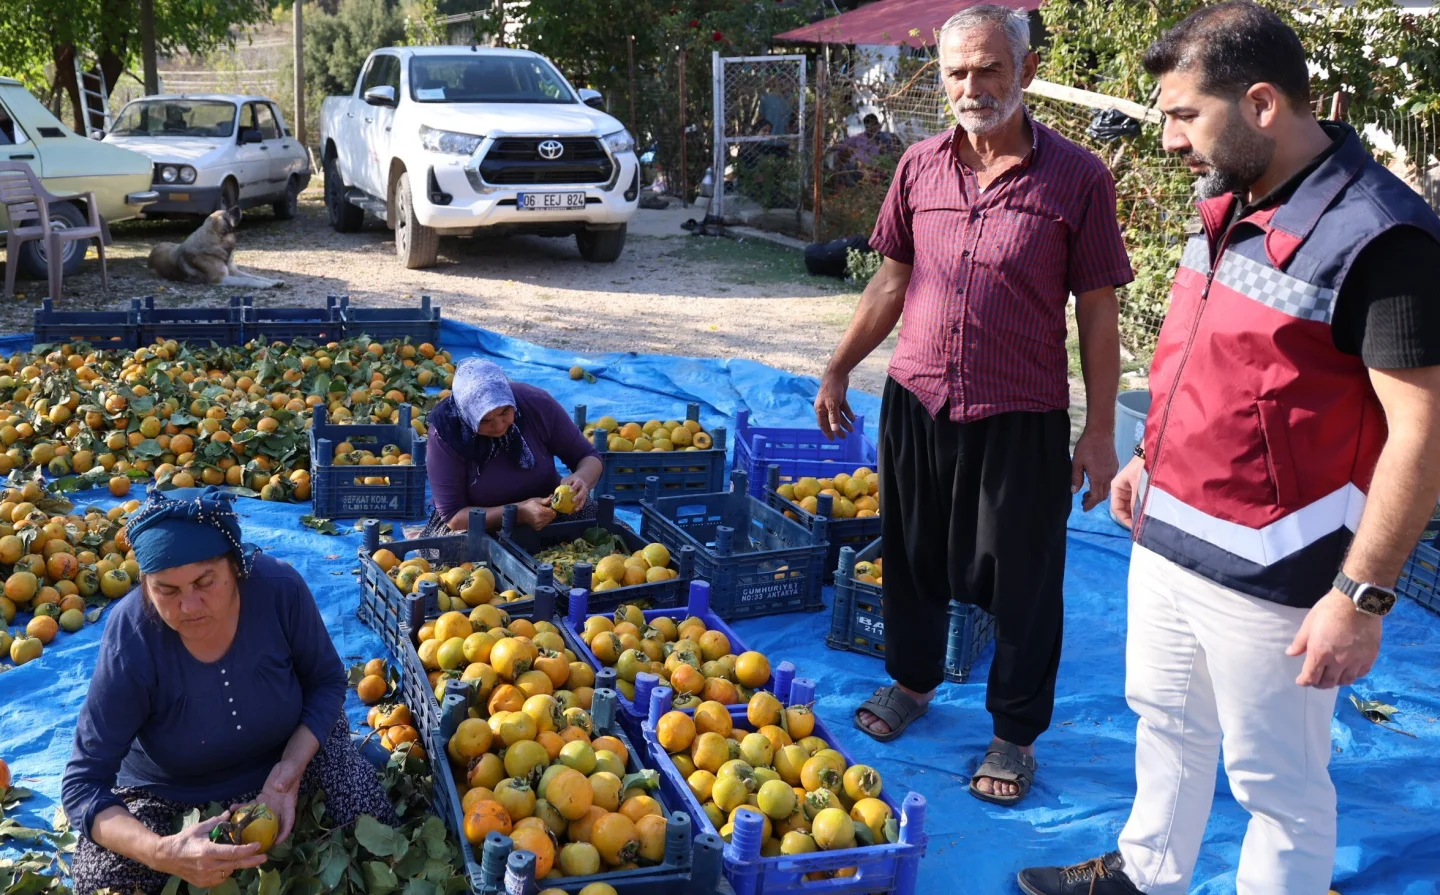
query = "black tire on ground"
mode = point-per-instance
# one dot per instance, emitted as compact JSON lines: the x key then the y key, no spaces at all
{"x":32,"y":264}
{"x":415,"y":244}
{"x":288,"y":207}
{"x":230,"y":199}
{"x":344,"y":217}
{"x":601,"y":246}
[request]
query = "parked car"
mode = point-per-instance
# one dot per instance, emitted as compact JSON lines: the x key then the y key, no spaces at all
{"x":67,"y":164}
{"x":441,"y":141}
{"x":215,"y":151}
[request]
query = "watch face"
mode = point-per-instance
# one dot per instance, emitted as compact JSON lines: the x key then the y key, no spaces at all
{"x":1375,"y":601}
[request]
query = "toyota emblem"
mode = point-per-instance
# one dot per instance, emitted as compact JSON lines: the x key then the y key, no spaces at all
{"x":551,"y":149}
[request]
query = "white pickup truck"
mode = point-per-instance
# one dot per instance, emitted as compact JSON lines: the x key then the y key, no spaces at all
{"x":452,"y":141}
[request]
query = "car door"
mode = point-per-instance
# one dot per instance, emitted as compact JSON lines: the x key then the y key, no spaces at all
{"x":377,"y":121}
{"x":276,"y":167}
{"x":252,"y":162}
{"x":15,"y":146}
{"x":292,"y":156}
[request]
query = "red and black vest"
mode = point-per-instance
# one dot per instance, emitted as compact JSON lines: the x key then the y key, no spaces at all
{"x":1262,"y":436}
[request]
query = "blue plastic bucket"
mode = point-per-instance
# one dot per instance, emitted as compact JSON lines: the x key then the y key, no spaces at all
{"x":1130,"y":410}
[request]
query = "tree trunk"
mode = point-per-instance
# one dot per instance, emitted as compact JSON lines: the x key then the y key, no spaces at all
{"x":65,"y":76}
{"x":147,"y":47}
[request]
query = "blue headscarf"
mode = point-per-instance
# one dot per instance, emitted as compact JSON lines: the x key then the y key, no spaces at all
{"x":479,"y":387}
{"x":187,"y":525}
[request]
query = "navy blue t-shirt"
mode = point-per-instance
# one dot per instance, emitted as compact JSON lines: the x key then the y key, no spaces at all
{"x":196,"y":732}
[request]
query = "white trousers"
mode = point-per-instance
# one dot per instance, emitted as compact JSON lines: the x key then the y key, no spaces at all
{"x":1205,"y":667}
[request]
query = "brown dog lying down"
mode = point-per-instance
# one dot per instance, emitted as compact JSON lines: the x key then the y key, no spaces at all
{"x":206,"y":256}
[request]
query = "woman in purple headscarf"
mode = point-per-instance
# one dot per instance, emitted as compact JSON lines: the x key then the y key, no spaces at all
{"x":494,"y":442}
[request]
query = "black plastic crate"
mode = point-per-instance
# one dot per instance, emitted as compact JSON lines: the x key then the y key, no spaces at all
{"x":699,"y":471}
{"x":419,"y":325}
{"x":855,"y":532}
{"x":271,"y":325}
{"x":224,"y":326}
{"x":103,"y":329}
{"x":757,"y":561}
{"x":857,"y":620}
{"x":333,"y":490}
{"x":523,"y":542}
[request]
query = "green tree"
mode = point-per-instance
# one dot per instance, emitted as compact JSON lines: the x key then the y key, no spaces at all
{"x":336,"y":46}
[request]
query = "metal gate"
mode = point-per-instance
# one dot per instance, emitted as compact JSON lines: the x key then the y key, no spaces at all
{"x":761,"y":155}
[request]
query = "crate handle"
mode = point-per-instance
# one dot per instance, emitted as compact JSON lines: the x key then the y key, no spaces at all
{"x":604,"y":680}
{"x":579,"y":606}
{"x":507,"y":520}
{"x":428,"y":592}
{"x":802,"y":689}
{"x":582,"y":575}
{"x":912,"y":820}
{"x":772,"y":474}
{"x":687,"y":564}
{"x":603,"y":706}
{"x":545,"y":600}
{"x":724,"y":540}
{"x":475,"y":532}
{"x":709,"y":861}
{"x":661,"y":698}
{"x":545,"y":577}
{"x":520,"y":872}
{"x":739,"y":481}
{"x":579,"y":416}
{"x":745,"y":838}
{"x":451,"y":714}
{"x":718,"y":437}
{"x":415,"y":610}
{"x":692,"y":412}
{"x":370,"y":533}
{"x":324,"y":450}
{"x":605,"y":511}
{"x":317,"y":419}
{"x":699,"y":594}
{"x":492,"y":863}
{"x":785,"y":681}
{"x":677,"y":838}
{"x":645,"y":683}
{"x":601,"y":439}
{"x":652,"y":488}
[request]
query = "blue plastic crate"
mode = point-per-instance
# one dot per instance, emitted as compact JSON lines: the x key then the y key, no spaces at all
{"x":854,"y":532}
{"x":334,"y":491}
{"x":857,"y":620}
{"x":523,"y":542}
{"x":419,"y":325}
{"x":692,"y":862}
{"x":224,"y":326}
{"x":1420,"y":579}
{"x":384,"y":608}
{"x":102,"y":329}
{"x":698,"y":606}
{"x":757,"y":561}
{"x":890,"y":868}
{"x":690,"y":471}
{"x":271,"y":325}
{"x":798,"y":452}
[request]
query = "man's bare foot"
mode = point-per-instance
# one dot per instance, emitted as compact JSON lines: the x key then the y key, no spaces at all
{"x":875,"y":725}
{"x":1006,"y":788}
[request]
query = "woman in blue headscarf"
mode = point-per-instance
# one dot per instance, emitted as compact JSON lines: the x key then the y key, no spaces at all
{"x":494,"y":442}
{"x":216,"y":682}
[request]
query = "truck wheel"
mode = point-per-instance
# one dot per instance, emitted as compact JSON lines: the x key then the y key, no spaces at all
{"x":289,"y":205}
{"x":32,"y":263}
{"x":344,"y":217}
{"x":601,"y":246}
{"x":416,"y":244}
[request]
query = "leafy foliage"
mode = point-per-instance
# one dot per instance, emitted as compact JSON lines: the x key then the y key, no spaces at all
{"x":861,"y":266}
{"x":336,"y":46}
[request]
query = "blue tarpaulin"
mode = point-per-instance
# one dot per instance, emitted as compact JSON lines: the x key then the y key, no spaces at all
{"x":1388,"y":782}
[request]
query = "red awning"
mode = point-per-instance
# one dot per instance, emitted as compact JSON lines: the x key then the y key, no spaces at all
{"x":889,"y":22}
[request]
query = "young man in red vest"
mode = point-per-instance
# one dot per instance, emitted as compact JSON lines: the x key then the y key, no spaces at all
{"x":1288,"y":465}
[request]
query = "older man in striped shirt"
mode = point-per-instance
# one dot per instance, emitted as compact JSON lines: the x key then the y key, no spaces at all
{"x":987,"y":231}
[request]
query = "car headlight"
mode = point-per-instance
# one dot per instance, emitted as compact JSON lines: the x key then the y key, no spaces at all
{"x":168,"y":173}
{"x":187,"y":174}
{"x":619,"y":142}
{"x":449,"y":142}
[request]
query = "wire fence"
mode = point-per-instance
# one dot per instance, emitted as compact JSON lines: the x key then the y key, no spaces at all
{"x":761,"y":151}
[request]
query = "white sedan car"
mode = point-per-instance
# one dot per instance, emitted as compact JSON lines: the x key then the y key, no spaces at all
{"x":215,"y":151}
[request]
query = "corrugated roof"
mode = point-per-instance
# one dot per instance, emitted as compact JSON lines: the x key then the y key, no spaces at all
{"x":908,"y":22}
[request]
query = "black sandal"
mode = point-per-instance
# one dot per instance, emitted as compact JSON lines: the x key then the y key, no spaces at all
{"x":893,"y":706}
{"x":1006,"y":763}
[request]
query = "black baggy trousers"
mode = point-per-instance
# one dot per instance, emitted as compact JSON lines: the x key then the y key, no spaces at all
{"x":976,"y":512}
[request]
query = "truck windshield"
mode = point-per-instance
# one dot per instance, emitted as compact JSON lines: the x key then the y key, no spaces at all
{"x":176,"y":118}
{"x":485,"y":79}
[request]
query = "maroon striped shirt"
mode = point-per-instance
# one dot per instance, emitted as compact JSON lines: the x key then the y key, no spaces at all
{"x":984,"y":319}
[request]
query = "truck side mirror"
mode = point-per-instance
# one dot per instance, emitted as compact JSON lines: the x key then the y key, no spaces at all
{"x":380,"y":96}
{"x":592,"y":98}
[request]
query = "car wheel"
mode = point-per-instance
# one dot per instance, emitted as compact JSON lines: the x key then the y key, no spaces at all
{"x":601,"y":246}
{"x":230,"y":200}
{"x":33,"y":265}
{"x":344,"y":217}
{"x":288,"y":207}
{"x":416,"y":244}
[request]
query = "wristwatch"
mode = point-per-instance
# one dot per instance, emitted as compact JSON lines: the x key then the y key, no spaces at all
{"x":1372,"y":599}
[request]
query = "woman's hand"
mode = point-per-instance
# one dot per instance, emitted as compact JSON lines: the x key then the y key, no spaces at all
{"x":581,"y":488}
{"x":281,"y":792}
{"x":535,"y":512}
{"x":203,"y":864}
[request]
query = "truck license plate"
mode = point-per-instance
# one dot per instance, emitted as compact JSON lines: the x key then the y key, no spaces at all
{"x":549,"y":201}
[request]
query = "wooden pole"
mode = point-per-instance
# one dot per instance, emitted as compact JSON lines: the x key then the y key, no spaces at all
{"x":147,"y":47}
{"x":818,"y":152}
{"x":630,"y":56}
{"x":684,"y":169}
{"x":299,"y":122}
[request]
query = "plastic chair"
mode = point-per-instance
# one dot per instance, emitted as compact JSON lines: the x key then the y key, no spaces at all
{"x":25,"y":199}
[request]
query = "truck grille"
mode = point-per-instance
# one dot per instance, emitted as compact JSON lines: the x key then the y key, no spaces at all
{"x":517,"y":161}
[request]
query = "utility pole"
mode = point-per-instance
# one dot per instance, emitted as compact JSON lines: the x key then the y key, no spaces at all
{"x":147,"y":47}
{"x":299,"y":75}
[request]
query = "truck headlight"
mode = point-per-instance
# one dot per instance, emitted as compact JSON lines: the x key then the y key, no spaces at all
{"x":619,"y":142}
{"x":448,"y":142}
{"x":187,"y":174}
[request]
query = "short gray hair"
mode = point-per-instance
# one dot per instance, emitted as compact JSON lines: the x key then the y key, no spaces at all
{"x":1014,"y":22}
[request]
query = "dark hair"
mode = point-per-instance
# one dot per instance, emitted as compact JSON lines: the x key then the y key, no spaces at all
{"x":872,"y":118}
{"x":1234,"y":45}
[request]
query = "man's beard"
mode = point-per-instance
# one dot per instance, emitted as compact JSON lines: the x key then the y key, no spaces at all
{"x":988,"y":113}
{"x":1240,"y":157}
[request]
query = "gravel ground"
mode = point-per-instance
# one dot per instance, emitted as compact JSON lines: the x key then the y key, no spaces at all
{"x":670,"y":292}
